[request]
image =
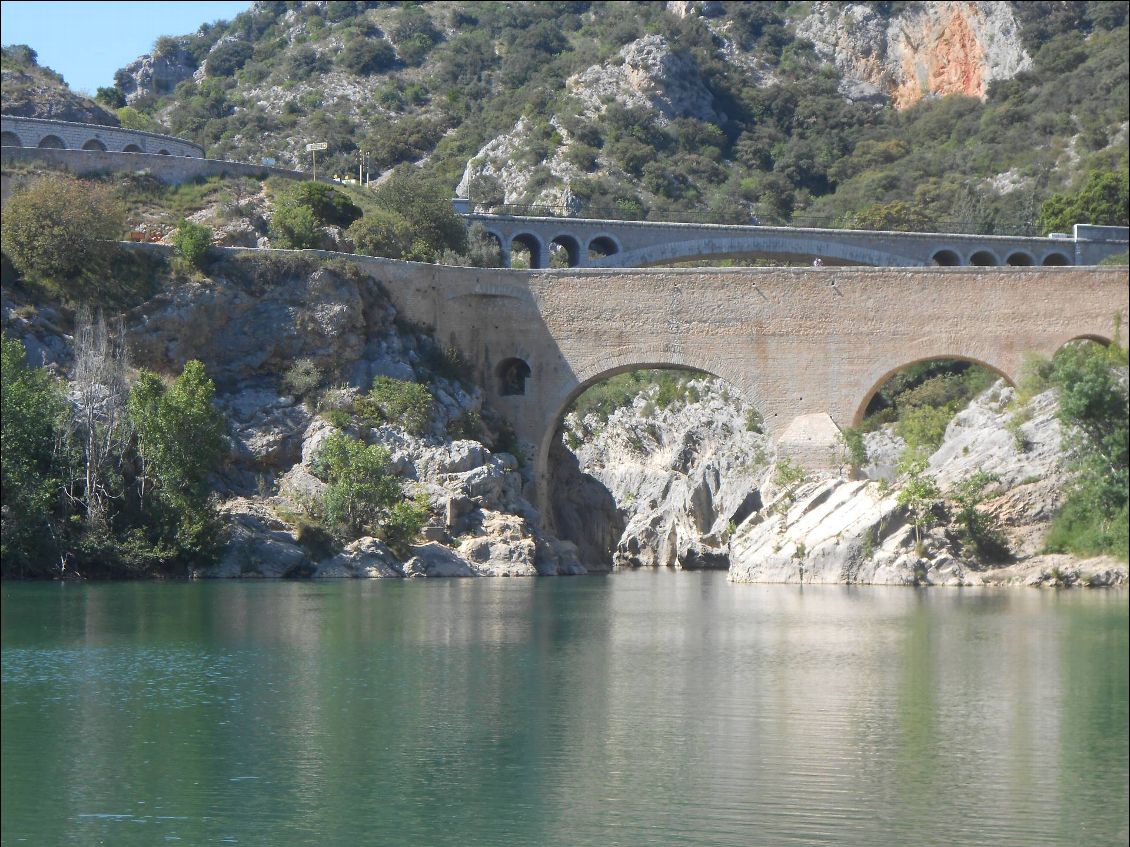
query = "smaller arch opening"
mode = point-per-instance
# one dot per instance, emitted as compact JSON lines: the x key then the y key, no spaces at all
{"x":163,"y":153}
{"x":1056,"y":260}
{"x":564,"y":252}
{"x":94,"y":144}
{"x":1020,"y":260}
{"x":983,"y":259}
{"x":51,"y":142}
{"x":512,"y":374}
{"x":131,"y":148}
{"x":10,"y":139}
{"x":526,"y":251}
{"x":602,"y":247}
{"x":946,"y":258}
{"x":1084,"y":341}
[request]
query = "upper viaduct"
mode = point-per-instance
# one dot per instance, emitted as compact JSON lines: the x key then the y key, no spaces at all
{"x":42,"y":133}
{"x":585,"y":242}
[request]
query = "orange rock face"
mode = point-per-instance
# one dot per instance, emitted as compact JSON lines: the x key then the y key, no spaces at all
{"x":947,"y":58}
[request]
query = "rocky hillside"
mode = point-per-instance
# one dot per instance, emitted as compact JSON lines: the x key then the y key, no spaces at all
{"x":694,"y":487}
{"x":33,"y":91}
{"x":809,"y":112}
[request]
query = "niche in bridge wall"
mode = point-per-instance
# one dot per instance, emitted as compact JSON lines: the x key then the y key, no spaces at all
{"x":983,"y":258}
{"x":946,"y":258}
{"x":1020,"y":259}
{"x":1056,"y":260}
{"x":51,"y":142}
{"x":10,"y":139}
{"x":94,"y":144}
{"x":512,"y":374}
{"x":131,"y":148}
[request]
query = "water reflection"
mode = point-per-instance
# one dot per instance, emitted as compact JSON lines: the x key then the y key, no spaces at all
{"x":631,"y":709}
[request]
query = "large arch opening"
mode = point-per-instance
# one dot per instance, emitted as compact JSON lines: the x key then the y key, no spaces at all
{"x":655,"y":467}
{"x":131,"y":148}
{"x":984,"y":259}
{"x":1056,"y":260}
{"x":511,"y":375}
{"x":1020,"y":259}
{"x":602,"y":247}
{"x":94,"y":144}
{"x":51,"y":142}
{"x":946,"y":258}
{"x":10,"y":139}
{"x":564,"y":252}
{"x":526,"y":251}
{"x":910,"y":407}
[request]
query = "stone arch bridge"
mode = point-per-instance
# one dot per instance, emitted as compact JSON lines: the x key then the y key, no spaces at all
{"x":807,"y":346}
{"x":45,"y":134}
{"x":584,"y":242}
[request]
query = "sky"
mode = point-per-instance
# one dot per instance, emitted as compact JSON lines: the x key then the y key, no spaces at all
{"x":87,"y":41}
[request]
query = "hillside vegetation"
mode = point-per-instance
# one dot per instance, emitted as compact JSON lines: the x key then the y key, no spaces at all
{"x":745,"y":116}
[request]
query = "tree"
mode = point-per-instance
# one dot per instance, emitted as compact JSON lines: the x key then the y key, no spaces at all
{"x":1104,"y":199}
{"x":896,"y":216}
{"x":110,"y":96}
{"x":1093,"y":409}
{"x":32,"y":408}
{"x":360,"y":490}
{"x":426,"y":205}
{"x":381,"y":233}
{"x":60,"y":227}
{"x":918,"y":496}
{"x":330,"y":206}
{"x":364,"y":56}
{"x":180,"y":442}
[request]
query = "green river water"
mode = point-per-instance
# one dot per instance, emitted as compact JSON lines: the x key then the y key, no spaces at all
{"x":634,"y":709}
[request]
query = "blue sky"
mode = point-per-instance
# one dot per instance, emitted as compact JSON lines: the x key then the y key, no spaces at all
{"x":87,"y":41}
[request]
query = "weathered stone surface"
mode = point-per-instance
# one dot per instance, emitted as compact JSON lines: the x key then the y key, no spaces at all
{"x":505,"y":547}
{"x":434,"y":559}
{"x":933,"y":48}
{"x":156,"y":75}
{"x":257,"y":543}
{"x":365,"y":558}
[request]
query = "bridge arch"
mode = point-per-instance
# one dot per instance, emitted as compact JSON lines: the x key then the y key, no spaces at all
{"x":984,"y":259}
{"x":570,"y":245}
{"x":1056,"y":259}
{"x":10,"y":139}
{"x":533,"y":245}
{"x":94,"y":144}
{"x":603,"y":246}
{"x":879,"y":382}
{"x":132,"y":148}
{"x":946,"y":258}
{"x":1087,"y":338}
{"x":163,"y":152}
{"x":567,"y":393}
{"x":51,"y":142}
{"x":1021,"y":259}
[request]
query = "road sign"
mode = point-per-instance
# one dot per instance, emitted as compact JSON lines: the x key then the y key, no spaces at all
{"x":317,"y":145}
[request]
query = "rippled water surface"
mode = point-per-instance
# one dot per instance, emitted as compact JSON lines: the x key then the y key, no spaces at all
{"x":635,"y":709}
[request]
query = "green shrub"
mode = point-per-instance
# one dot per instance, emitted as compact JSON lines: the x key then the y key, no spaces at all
{"x":330,"y":206}
{"x":60,"y":228}
{"x":981,"y":530}
{"x":857,"y":450}
{"x":227,"y":58}
{"x":295,"y":227}
{"x":381,"y":233}
{"x":359,"y":488}
{"x":192,"y":243}
{"x":402,"y":526}
{"x":405,"y":404}
{"x":924,"y":428}
{"x":364,"y":56}
{"x":303,"y":377}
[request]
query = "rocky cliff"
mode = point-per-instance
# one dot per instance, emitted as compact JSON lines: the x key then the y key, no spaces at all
{"x":927,"y":49}
{"x":696,"y":488}
{"x":33,"y":91}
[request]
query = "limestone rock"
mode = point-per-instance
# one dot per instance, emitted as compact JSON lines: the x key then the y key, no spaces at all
{"x":503,"y":546}
{"x":433,"y":559}
{"x":652,"y":75}
{"x":928,"y":49}
{"x":156,"y":75}
{"x":365,"y":558}
{"x":257,"y":543}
